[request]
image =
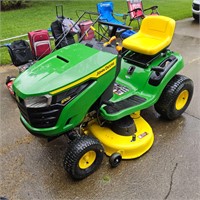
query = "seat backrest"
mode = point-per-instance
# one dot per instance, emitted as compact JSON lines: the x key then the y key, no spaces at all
{"x":105,"y":9}
{"x":135,"y":4}
{"x":158,"y":27}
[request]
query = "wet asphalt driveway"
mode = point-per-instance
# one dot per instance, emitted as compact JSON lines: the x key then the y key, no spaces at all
{"x":31,"y":168}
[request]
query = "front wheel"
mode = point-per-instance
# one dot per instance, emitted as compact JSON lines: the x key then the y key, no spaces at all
{"x":83,"y":157}
{"x":175,"y":98}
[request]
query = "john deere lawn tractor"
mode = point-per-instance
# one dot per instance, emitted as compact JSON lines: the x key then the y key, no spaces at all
{"x":95,"y":97}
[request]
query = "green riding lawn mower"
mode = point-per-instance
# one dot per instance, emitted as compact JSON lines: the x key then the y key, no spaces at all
{"x":95,"y":97}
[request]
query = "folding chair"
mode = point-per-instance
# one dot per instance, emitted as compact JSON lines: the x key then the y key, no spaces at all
{"x":105,"y":10}
{"x":136,"y":11}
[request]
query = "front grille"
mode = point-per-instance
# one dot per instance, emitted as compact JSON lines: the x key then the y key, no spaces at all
{"x":41,"y":117}
{"x":196,"y":6}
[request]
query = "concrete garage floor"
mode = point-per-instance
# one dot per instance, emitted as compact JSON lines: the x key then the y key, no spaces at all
{"x":31,"y":168}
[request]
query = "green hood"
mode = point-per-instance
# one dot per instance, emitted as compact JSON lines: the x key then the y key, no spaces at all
{"x":60,"y":69}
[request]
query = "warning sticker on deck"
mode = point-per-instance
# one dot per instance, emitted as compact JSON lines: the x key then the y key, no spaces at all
{"x":119,"y":89}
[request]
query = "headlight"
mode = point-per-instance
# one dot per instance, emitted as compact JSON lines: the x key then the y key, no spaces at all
{"x":38,"y":102}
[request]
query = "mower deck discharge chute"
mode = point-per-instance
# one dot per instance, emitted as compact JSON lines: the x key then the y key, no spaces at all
{"x":95,"y":97}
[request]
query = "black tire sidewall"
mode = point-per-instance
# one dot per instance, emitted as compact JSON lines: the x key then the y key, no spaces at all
{"x":196,"y":17}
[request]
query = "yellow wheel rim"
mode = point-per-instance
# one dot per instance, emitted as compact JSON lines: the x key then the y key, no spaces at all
{"x":87,"y":159}
{"x":182,"y":99}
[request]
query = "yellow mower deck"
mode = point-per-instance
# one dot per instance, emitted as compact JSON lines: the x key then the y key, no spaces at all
{"x":128,"y":146}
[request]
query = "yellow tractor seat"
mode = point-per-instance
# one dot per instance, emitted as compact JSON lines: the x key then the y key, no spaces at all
{"x":155,"y":34}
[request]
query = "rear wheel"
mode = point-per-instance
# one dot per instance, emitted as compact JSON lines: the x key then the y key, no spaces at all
{"x":175,"y":98}
{"x":83,"y":157}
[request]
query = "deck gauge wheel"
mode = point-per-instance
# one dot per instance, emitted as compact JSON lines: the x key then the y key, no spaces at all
{"x":115,"y":159}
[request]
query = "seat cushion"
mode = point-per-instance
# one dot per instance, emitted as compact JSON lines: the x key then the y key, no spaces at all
{"x":145,"y":44}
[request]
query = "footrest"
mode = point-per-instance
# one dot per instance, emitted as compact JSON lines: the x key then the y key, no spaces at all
{"x":124,"y":104}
